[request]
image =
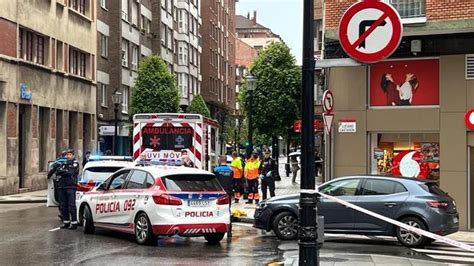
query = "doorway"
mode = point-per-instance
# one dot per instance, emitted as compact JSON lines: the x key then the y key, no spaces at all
{"x":24,"y":113}
{"x":470,"y":191}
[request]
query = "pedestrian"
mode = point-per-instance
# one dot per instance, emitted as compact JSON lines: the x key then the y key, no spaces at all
{"x":267,"y":173}
{"x":237,"y":181}
{"x":317,"y":164}
{"x":294,"y":167}
{"x":68,"y":172}
{"x":251,"y":174}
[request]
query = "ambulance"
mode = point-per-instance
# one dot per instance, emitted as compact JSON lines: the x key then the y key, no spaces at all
{"x":165,"y":136}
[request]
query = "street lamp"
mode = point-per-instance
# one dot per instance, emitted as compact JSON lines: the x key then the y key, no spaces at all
{"x":251,"y":82}
{"x":116,"y":100}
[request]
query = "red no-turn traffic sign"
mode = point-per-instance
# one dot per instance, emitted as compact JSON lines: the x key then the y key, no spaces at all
{"x":469,"y":119}
{"x":370,"y":31}
{"x":328,"y":101}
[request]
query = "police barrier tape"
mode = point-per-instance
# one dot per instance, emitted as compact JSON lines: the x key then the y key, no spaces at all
{"x":397,"y":223}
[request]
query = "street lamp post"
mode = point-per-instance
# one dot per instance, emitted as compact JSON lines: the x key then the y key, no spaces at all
{"x":116,"y":100}
{"x":307,"y":231}
{"x":251,"y":81}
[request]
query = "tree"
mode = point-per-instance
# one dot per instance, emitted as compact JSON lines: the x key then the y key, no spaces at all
{"x":277,"y":95}
{"x":155,"y":88}
{"x":198,"y":106}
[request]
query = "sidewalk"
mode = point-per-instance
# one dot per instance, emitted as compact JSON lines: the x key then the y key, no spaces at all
{"x":27,"y":197}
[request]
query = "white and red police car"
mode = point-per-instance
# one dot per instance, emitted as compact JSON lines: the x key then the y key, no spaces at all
{"x":158,"y":200}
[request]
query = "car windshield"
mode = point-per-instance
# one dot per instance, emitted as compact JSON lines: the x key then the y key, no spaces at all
{"x":433,"y":189}
{"x":191,"y":183}
{"x":99,"y":173}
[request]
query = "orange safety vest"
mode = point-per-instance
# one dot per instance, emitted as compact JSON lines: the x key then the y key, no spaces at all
{"x":236,"y":166}
{"x":251,"y":169}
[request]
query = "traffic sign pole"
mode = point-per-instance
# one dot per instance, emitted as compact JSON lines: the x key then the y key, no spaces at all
{"x":307,"y":230}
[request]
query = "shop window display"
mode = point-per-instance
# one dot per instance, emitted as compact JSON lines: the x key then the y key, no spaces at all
{"x":405,"y":154}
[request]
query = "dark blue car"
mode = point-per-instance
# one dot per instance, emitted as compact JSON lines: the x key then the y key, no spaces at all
{"x":419,"y":203}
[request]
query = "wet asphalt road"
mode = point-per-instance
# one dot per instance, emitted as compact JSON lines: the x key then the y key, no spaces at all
{"x":26,"y":239}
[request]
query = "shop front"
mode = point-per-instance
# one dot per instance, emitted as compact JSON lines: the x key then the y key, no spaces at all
{"x":406,"y":119}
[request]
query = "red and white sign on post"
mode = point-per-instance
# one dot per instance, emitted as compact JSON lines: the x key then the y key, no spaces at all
{"x":328,"y":106}
{"x":370,"y":31}
{"x":469,"y":119}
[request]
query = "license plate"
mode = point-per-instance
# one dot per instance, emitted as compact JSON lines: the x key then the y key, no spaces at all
{"x":455,"y":220}
{"x":199,"y":203}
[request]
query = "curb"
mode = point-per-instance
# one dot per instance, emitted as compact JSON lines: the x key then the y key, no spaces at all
{"x":22,"y":201}
{"x":244,"y":220}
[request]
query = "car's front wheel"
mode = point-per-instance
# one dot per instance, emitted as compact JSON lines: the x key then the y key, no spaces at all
{"x":285,"y":226}
{"x":87,"y":221}
{"x":408,"y":238}
{"x":214,"y":239}
{"x":144,"y":230}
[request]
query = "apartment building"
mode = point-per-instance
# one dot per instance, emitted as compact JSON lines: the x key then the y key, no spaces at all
{"x":218,"y":56}
{"x":424,"y":121}
{"x":47,"y":87}
{"x":129,"y":30}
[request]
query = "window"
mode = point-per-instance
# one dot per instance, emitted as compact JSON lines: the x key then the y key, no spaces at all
{"x":39,"y":50}
{"x":98,"y":174}
{"x":125,"y":10}
{"x":373,"y":187}
{"x":77,"y":62}
{"x":32,"y":47}
{"x":135,"y":12}
{"x":149,"y":181}
{"x":79,"y":6}
{"x":405,"y":154}
{"x":409,"y":8}
{"x":118,"y":180}
{"x":104,"y":44}
{"x":191,"y":183}
{"x":124,"y":53}
{"x":137,"y":180}
{"x":103,"y":94}
{"x":134,"y":57}
{"x":346,"y":187}
{"x":125,"y":90}
{"x":103,"y":4}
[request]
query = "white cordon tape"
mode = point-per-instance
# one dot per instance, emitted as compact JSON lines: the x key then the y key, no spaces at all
{"x":402,"y":225}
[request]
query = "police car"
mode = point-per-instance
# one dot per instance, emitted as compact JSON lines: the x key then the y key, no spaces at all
{"x":99,"y":168}
{"x":158,"y":200}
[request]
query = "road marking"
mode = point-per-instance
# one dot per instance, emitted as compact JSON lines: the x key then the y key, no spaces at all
{"x":54,"y":229}
{"x":451,"y":258}
{"x":439,"y":251}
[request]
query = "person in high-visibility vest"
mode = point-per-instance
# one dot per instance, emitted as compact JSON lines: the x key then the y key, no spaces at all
{"x":251,"y":174}
{"x":237,"y":181}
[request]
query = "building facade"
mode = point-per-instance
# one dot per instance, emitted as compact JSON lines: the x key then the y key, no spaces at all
{"x":218,"y":57}
{"x":128,"y":31}
{"x":404,"y":116}
{"x":47,"y":87}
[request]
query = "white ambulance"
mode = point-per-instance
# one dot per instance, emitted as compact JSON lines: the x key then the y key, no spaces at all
{"x":164,"y":136}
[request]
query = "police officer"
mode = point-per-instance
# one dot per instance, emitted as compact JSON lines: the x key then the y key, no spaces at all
{"x":267,"y":171}
{"x":67,"y":173}
{"x":224,"y":174}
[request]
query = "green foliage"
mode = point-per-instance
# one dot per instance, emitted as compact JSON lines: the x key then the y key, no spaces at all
{"x":198,"y":106}
{"x":277,"y":95}
{"x":155,"y":88}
